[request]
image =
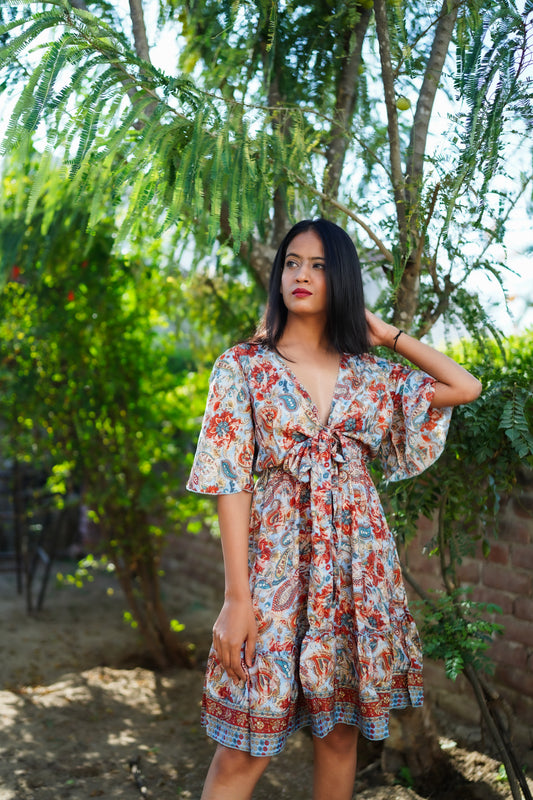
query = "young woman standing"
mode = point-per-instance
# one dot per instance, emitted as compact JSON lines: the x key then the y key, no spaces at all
{"x":315,"y":628}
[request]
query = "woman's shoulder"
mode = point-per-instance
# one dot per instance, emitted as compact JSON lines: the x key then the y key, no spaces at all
{"x":369,"y":361}
{"x":241,"y":353}
{"x":375,"y":367}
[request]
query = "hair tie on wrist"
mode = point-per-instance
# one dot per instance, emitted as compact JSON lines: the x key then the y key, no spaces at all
{"x":395,"y":340}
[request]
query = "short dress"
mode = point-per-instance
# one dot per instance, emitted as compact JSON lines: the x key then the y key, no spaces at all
{"x":336,"y":641}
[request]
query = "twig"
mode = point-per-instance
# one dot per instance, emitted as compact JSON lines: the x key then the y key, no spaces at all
{"x":349,"y":213}
{"x":135,"y":769}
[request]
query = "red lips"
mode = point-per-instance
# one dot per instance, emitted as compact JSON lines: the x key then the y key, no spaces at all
{"x":301,"y":293}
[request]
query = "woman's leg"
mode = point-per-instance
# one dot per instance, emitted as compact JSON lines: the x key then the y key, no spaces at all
{"x":233,"y":774}
{"x":335,"y":760}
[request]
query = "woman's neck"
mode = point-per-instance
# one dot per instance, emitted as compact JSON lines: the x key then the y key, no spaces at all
{"x":305,"y":334}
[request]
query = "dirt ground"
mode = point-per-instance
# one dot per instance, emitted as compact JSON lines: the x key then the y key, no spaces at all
{"x":82,"y":716}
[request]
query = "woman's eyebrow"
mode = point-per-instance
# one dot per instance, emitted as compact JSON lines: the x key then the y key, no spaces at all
{"x":297,"y":255}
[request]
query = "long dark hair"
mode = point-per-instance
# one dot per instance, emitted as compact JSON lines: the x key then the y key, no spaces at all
{"x":346,"y":326}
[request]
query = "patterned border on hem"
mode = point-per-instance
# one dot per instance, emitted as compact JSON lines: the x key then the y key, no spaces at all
{"x":266,"y":736}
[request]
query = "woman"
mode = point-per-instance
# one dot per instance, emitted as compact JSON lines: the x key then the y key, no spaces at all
{"x":315,"y":628}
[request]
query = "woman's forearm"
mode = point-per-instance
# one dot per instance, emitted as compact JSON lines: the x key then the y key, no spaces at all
{"x":454,"y":384}
{"x":234,"y":521}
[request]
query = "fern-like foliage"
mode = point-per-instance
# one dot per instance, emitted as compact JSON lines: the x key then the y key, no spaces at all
{"x":138,"y":134}
{"x":492,"y":58}
{"x":457,"y":631}
{"x":517,"y":427}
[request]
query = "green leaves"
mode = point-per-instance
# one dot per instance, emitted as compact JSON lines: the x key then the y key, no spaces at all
{"x":492,"y":43}
{"x":139,"y":136}
{"x":457,"y":631}
{"x":518,"y":428}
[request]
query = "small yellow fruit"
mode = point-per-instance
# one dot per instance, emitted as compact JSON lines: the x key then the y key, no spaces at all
{"x":403,"y":103}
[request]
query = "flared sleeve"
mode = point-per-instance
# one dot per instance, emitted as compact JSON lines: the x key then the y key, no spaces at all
{"x":417,"y":433}
{"x":223,"y":463}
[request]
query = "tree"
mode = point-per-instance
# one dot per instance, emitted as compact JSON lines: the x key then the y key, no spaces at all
{"x":95,"y":364}
{"x":292,"y":111}
{"x":278,"y":111}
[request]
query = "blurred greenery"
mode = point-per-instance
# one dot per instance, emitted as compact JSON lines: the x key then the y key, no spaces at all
{"x":103,"y":366}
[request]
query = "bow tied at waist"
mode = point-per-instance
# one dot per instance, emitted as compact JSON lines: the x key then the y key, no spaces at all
{"x":319,"y":452}
{"x":317,"y":460}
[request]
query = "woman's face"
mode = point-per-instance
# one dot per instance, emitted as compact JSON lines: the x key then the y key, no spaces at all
{"x":303,"y":280}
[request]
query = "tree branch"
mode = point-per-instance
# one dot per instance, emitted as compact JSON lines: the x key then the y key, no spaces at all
{"x":426,"y":98}
{"x":387,"y":76}
{"x":347,"y":91}
{"x":280,"y":122}
{"x":139,"y":30}
{"x":349,"y":213}
{"x":259,"y":255}
{"x":481,"y":691}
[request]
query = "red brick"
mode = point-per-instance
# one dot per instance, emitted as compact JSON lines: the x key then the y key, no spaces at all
{"x":426,"y":526}
{"x":517,"y":630}
{"x":505,"y":652}
{"x":512,"y":581}
{"x":417,"y":561}
{"x":513,"y":529}
{"x":427,"y":581}
{"x":469,"y":571}
{"x":519,"y":679}
{"x":523,"y":608}
{"x":523,"y":505}
{"x":522,"y":556}
{"x":435,"y":676}
{"x":499,"y":553}
{"x":461,"y":705}
{"x":483,"y":595}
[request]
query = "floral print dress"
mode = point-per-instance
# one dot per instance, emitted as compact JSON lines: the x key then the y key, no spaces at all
{"x":336,"y":642}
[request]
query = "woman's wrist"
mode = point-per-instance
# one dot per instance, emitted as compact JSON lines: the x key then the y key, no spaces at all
{"x":396,"y":337}
{"x":237,"y":594}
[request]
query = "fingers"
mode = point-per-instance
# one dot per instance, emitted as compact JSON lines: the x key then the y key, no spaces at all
{"x":229,"y":655}
{"x":249,"y":648}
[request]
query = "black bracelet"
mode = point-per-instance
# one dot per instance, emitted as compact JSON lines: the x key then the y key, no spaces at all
{"x":395,"y":340}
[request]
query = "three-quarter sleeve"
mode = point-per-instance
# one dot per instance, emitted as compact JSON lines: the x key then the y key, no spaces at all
{"x":223,"y":462}
{"x":417,"y":433}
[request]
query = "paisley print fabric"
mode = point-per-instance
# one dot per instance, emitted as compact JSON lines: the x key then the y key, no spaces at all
{"x":336,"y":642}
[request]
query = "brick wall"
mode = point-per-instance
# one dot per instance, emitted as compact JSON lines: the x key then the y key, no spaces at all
{"x":505,"y":578}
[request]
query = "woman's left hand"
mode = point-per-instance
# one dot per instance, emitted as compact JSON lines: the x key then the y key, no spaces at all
{"x":379,"y":332}
{"x":453,"y":384}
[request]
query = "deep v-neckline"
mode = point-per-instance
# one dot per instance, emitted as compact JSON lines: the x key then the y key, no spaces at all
{"x":307,"y":395}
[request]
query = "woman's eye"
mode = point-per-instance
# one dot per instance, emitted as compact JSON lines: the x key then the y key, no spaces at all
{"x":290,"y":264}
{"x":319,"y":266}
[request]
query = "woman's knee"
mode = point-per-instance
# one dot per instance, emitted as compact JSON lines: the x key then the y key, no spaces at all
{"x":230,"y":762}
{"x":342,"y":740}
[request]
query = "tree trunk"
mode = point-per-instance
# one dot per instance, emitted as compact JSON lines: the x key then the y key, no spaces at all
{"x":139,"y":30}
{"x":413,"y":743}
{"x":136,"y":564}
{"x":387,"y":76}
{"x":345,"y":103}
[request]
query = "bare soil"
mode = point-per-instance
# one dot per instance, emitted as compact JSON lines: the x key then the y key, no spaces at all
{"x":83,"y":715}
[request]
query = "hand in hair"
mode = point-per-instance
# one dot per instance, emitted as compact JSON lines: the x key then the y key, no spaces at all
{"x":379,"y":332}
{"x":453,"y":384}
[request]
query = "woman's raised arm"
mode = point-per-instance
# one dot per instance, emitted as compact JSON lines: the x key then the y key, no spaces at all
{"x":454,"y":385}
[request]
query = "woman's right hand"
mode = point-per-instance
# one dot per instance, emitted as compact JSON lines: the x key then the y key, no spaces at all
{"x":235,"y":625}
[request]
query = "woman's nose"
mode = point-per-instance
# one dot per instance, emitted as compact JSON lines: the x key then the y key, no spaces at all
{"x":303,"y":273}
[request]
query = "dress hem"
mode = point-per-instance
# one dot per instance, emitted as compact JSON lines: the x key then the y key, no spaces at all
{"x":259,"y":736}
